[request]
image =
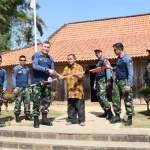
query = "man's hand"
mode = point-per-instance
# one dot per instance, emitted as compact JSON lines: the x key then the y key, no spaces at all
{"x":30,"y":91}
{"x":94,"y":87}
{"x":52,"y":71}
{"x":49,"y":80}
{"x":15,"y":90}
{"x":108,"y":84}
{"x":4,"y":89}
{"x":127,"y":88}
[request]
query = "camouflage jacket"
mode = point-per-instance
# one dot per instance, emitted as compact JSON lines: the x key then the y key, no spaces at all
{"x":146,"y":76}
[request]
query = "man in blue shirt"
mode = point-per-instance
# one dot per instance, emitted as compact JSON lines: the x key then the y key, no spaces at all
{"x":101,"y":83}
{"x":20,"y":83}
{"x":43,"y":68}
{"x":122,"y":88}
{"x":3,"y":84}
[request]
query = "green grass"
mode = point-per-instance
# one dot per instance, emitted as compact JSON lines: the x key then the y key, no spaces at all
{"x":9,"y":118}
{"x":140,"y":120}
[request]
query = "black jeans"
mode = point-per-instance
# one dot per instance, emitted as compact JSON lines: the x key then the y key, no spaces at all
{"x":76,"y":106}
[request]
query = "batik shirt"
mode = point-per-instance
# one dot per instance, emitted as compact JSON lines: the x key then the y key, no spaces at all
{"x":74,"y":85}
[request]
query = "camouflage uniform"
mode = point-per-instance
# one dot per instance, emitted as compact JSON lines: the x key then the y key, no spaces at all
{"x":146,"y":76}
{"x":117,"y":93}
{"x":1,"y":98}
{"x":101,"y":93}
{"x":41,"y":97}
{"x":23,"y":95}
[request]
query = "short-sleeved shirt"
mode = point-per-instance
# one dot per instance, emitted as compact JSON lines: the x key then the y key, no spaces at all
{"x":74,"y":86}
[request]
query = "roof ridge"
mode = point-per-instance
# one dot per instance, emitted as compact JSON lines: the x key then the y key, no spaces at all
{"x":109,"y":18}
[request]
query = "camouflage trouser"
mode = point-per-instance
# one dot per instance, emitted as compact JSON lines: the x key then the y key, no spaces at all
{"x":1,"y":97}
{"x":101,"y":94}
{"x":118,"y":93}
{"x":40,"y":97}
{"x":24,"y":96}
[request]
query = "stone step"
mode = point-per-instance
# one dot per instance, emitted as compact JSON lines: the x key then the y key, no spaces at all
{"x":47,"y":133}
{"x":47,"y":144}
{"x":2,"y":148}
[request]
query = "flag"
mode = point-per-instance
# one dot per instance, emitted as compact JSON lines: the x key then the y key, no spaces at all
{"x":32,"y":4}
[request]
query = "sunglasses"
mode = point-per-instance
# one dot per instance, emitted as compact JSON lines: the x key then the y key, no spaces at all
{"x":115,"y":50}
{"x":22,"y":60}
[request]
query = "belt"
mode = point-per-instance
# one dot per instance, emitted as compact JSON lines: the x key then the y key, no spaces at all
{"x":100,"y":77}
{"x":120,"y":78}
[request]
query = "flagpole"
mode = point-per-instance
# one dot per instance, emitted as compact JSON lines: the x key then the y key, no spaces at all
{"x":35,"y":37}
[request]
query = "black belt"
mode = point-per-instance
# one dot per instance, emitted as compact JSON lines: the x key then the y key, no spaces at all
{"x":120,"y":78}
{"x":100,"y":77}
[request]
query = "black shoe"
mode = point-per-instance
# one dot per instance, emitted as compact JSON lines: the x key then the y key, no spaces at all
{"x":109,"y":114}
{"x":45,"y":121}
{"x":104,"y":114}
{"x":17,"y":118}
{"x":115,"y":119}
{"x":129,"y":121}
{"x":36,"y":122}
{"x":28,"y":117}
{"x":2,"y":122}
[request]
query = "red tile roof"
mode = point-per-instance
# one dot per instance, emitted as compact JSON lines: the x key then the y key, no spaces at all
{"x":81,"y":38}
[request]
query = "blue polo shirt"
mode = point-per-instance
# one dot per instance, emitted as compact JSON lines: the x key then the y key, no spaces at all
{"x":104,"y":73}
{"x":41,"y":64}
{"x":3,"y":78}
{"x":124,"y":68}
{"x":20,"y":76}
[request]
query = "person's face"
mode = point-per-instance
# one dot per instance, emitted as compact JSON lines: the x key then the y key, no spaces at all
{"x":71,"y":60}
{"x":22,"y":61}
{"x":45,"y":48}
{"x":117,"y":51}
{"x":98,"y":54}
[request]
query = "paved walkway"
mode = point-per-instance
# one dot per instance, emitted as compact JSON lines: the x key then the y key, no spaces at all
{"x":94,"y":124}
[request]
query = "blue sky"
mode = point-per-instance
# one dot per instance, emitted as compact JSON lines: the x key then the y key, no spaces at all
{"x":56,"y":13}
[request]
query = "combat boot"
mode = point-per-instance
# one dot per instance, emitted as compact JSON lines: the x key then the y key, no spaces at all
{"x":36,"y":122}
{"x":109,"y":114}
{"x":115,"y":119}
{"x":129,"y":121}
{"x":28,"y":117}
{"x":104,"y":114}
{"x":2,"y":122}
{"x":45,"y":121}
{"x":17,"y":118}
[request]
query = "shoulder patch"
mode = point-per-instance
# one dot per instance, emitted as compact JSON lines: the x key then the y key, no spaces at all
{"x":130,"y":62}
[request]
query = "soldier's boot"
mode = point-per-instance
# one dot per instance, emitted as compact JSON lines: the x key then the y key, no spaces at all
{"x":129,"y":121}
{"x":109,"y":114}
{"x":28,"y":117}
{"x":36,"y":122}
{"x":115,"y":119}
{"x":2,"y":122}
{"x":45,"y":121}
{"x":104,"y":114}
{"x":17,"y":118}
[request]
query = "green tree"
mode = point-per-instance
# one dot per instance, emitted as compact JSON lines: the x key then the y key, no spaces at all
{"x":16,"y":17}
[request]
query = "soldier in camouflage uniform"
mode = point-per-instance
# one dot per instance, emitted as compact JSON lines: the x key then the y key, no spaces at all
{"x":43,"y":68}
{"x":101,"y":83}
{"x":146,"y":75}
{"x":122,"y":88}
{"x":3,"y":84}
{"x":20,"y":83}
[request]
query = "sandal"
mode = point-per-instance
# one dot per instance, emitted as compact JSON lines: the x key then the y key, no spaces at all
{"x":82,"y":124}
{"x":68,"y":123}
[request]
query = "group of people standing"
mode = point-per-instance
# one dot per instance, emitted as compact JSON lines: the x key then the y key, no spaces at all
{"x":43,"y":70}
